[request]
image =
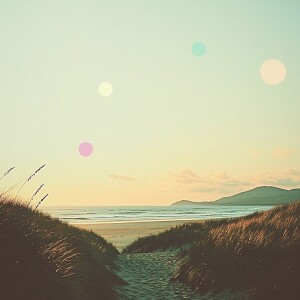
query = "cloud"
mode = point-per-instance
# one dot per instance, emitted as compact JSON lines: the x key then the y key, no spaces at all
{"x":293,"y":172}
{"x":121,"y":177}
{"x":215,"y":182}
{"x":288,"y":182}
{"x":188,"y":176}
{"x":282,"y":152}
{"x":225,"y":183}
{"x":287,"y":178}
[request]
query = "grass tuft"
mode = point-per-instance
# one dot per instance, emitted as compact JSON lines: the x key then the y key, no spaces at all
{"x":45,"y":258}
{"x":257,"y":253}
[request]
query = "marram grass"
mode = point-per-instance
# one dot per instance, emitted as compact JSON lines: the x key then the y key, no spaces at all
{"x":44,"y":258}
{"x":259,"y":253}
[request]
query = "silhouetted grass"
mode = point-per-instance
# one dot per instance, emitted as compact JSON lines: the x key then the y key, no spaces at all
{"x":178,"y":236}
{"x":259,"y":253}
{"x":44,"y":258}
{"x":7,"y":172}
{"x":35,"y":193}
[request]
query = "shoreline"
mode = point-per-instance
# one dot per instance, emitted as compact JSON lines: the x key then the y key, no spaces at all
{"x":139,"y":221}
{"x":123,"y":234}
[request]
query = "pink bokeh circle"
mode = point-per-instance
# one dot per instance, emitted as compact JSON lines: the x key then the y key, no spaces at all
{"x":85,"y":149}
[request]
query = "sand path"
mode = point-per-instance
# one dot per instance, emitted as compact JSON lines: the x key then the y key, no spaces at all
{"x":148,"y":277}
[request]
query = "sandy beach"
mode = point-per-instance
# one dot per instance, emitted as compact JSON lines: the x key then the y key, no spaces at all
{"x":122,"y":234}
{"x":148,"y":275}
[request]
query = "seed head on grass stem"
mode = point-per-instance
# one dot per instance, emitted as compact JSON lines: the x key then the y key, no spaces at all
{"x":39,"y":169}
{"x":41,"y":201}
{"x":6,"y":173}
{"x":36,"y":192}
{"x":30,"y":177}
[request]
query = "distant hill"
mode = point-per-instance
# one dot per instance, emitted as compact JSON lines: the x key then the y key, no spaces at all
{"x":189,"y":202}
{"x":264,"y":195}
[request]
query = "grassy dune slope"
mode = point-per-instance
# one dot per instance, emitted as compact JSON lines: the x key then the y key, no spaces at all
{"x":259,"y":253}
{"x":44,"y":258}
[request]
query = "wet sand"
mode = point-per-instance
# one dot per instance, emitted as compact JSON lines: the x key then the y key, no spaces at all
{"x":123,"y":234}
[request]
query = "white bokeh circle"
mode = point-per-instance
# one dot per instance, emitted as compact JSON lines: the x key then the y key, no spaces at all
{"x":105,"y":89}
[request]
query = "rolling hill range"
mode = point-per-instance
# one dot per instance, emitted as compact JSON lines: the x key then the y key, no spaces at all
{"x":264,"y":195}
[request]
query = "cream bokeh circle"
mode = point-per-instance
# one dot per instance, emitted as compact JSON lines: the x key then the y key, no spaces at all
{"x":273,"y":71}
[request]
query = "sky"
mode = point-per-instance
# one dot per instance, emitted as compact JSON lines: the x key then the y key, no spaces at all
{"x":173,"y":99}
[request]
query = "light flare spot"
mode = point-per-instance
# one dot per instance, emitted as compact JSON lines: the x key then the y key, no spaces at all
{"x":273,"y":71}
{"x":105,"y":89}
{"x":85,"y":149}
{"x":198,"y":49}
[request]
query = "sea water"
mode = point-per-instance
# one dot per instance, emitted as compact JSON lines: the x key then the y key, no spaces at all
{"x":118,"y":214}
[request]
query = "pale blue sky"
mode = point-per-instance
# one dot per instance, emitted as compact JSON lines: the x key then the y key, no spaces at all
{"x":169,"y":112}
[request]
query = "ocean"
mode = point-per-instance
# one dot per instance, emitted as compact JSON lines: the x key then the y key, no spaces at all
{"x":119,"y":214}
